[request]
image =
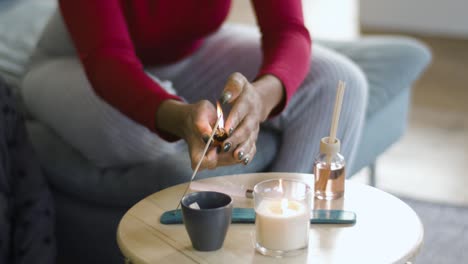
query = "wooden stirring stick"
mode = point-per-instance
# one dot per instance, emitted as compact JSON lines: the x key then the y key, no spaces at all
{"x":323,"y":179}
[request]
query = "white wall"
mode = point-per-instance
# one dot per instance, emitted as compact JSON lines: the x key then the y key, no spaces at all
{"x":433,"y":17}
{"x":332,"y":19}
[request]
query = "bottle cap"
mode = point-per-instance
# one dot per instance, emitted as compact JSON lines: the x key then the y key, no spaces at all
{"x":329,"y":148}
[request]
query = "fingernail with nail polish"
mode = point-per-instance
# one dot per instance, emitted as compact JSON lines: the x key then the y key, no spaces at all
{"x":227,"y":146}
{"x":225,"y":97}
{"x":218,"y":149}
{"x":240,"y":155}
{"x":231,"y":130}
{"x":206,"y":138}
{"x":246,"y":161}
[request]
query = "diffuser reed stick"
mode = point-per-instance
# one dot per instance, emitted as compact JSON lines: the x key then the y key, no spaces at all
{"x":323,"y":179}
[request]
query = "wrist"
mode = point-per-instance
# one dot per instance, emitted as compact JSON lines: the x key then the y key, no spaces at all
{"x":271,"y":91}
{"x":170,"y":116}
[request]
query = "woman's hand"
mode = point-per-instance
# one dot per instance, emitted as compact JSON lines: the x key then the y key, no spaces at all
{"x":252,"y":103}
{"x":193,"y":123}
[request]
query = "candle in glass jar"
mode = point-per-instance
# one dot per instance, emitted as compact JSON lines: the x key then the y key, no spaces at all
{"x":282,"y":224}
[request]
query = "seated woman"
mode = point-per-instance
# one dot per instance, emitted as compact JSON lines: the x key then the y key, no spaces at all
{"x":26,"y":212}
{"x":123,"y":81}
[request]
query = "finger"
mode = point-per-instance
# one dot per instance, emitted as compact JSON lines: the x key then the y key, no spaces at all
{"x":247,"y":129}
{"x":233,"y":88}
{"x":225,"y":159}
{"x":241,"y":108}
{"x":251,"y":155}
{"x":195,"y":150}
{"x":244,"y":146}
{"x":204,"y":118}
{"x":238,"y":112}
{"x":245,"y":152}
{"x":209,"y":161}
{"x":229,"y":157}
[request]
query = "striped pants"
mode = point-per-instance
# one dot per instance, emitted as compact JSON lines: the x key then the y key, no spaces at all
{"x":57,"y":92}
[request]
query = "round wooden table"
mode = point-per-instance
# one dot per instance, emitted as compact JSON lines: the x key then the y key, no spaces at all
{"x":387,"y":230}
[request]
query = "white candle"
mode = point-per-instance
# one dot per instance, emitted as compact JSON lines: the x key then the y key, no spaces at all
{"x":282,"y":224}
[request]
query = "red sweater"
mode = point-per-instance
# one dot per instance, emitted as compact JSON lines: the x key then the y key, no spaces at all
{"x":116,"y":39}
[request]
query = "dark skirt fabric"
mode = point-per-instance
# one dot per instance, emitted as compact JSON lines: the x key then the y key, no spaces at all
{"x":26,"y":207}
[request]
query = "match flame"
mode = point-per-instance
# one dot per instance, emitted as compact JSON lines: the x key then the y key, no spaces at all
{"x":219,"y":110}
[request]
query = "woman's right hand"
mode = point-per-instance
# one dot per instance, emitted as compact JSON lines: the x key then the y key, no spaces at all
{"x":193,"y":123}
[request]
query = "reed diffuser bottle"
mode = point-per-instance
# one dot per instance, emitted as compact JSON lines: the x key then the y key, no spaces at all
{"x":329,"y":171}
{"x":329,"y":166}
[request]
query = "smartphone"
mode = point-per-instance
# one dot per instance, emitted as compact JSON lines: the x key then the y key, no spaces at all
{"x":247,"y":215}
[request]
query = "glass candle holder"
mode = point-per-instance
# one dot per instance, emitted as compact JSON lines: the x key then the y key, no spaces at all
{"x":282,"y":217}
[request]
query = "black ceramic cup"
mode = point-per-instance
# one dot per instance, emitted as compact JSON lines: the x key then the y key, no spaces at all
{"x":207,"y":226}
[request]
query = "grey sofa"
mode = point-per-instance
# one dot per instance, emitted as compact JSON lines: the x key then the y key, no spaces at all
{"x":90,"y":201}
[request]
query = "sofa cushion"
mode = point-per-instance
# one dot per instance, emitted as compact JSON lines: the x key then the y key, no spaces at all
{"x":390,"y":64}
{"x":21,"y":23}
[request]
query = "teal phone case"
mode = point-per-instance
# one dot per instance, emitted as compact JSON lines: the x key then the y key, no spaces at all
{"x":333,"y":217}
{"x":247,"y":215}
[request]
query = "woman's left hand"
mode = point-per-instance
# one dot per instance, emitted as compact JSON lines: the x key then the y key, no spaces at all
{"x":251,"y":105}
